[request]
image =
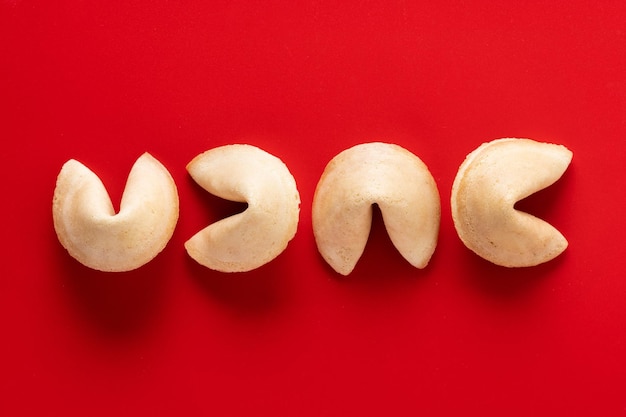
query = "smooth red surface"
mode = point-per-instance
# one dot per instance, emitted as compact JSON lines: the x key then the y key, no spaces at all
{"x":103,"y":82}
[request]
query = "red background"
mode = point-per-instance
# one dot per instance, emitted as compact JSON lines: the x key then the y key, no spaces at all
{"x":103,"y":82}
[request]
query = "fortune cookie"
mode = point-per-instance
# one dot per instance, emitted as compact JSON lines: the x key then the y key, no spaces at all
{"x":252,"y":238}
{"x":491,"y":180}
{"x":383,"y":174}
{"x":88,"y":227}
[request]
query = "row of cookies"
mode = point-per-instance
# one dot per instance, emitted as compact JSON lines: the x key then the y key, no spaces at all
{"x":488,"y":184}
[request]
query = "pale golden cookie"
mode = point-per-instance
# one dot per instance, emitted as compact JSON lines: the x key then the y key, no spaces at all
{"x":383,"y":174}
{"x":489,"y":182}
{"x":247,"y":240}
{"x":88,"y":227}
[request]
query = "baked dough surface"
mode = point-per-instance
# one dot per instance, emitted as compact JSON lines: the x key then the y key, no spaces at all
{"x":88,"y":227}
{"x":383,"y":174}
{"x":248,"y":240}
{"x":489,"y":182}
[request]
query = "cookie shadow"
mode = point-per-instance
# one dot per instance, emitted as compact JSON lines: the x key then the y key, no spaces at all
{"x":503,"y":283}
{"x":116,"y":304}
{"x":251,"y":294}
